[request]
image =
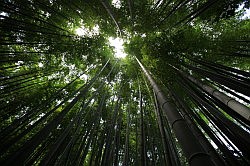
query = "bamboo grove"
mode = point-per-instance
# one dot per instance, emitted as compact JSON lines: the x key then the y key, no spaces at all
{"x":180,"y":97}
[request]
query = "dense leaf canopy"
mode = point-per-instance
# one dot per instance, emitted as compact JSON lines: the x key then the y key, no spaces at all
{"x":179,"y":97}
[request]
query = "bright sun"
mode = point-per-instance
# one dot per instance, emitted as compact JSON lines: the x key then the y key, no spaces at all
{"x":118,"y":44}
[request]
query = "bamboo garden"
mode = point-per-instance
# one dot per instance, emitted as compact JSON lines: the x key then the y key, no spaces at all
{"x":177,"y":94}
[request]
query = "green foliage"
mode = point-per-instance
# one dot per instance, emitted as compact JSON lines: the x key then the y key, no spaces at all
{"x":88,"y":100}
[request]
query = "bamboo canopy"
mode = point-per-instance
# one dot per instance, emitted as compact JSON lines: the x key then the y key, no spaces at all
{"x":126,"y":82}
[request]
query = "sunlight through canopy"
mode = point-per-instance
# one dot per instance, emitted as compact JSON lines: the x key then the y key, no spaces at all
{"x":117,"y":43}
{"x":88,"y":32}
{"x":125,"y":82}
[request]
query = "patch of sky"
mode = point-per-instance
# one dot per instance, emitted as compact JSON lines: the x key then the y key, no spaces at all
{"x":87,"y":31}
{"x":116,"y":3}
{"x":3,"y":14}
{"x":117,"y":43}
{"x":246,"y":12}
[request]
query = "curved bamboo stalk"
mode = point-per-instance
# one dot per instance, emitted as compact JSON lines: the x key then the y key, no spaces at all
{"x":227,"y":81}
{"x":241,"y":109}
{"x":239,"y":74}
{"x":166,"y":149}
{"x":194,"y":152}
{"x":214,"y":136}
{"x":26,"y":150}
{"x":130,"y":4}
{"x":126,"y":153}
{"x":236,"y":134}
{"x":111,"y":14}
{"x":142,"y":128}
{"x":200,"y":136}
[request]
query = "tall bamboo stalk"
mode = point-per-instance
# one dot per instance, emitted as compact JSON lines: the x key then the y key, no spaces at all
{"x":195,"y":154}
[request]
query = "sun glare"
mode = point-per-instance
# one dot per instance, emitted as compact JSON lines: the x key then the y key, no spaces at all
{"x":118,"y":44}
